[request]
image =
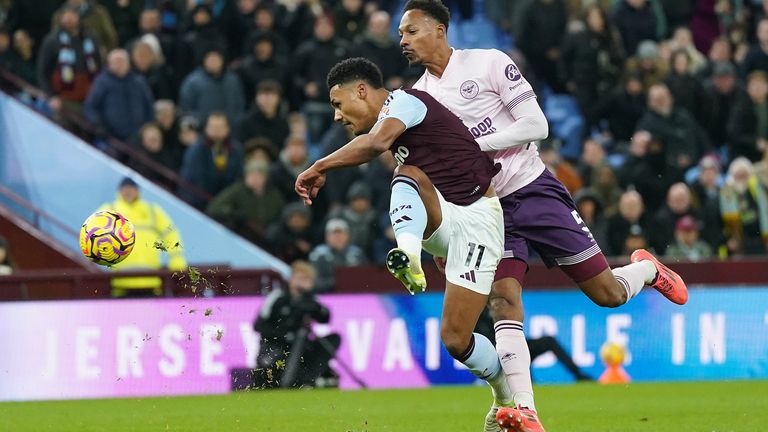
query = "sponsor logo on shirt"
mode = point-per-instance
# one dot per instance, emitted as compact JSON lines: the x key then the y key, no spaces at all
{"x":469,"y":89}
{"x":485,"y":127}
{"x":512,"y":72}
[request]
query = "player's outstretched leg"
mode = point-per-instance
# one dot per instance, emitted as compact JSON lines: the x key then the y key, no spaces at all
{"x":415,"y":214}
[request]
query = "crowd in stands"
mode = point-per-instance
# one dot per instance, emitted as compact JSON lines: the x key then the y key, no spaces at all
{"x":230,"y":94}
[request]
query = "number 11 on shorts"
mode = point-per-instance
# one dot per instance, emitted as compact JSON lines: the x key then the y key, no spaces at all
{"x":480,"y":252}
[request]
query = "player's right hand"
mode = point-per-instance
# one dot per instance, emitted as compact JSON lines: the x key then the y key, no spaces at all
{"x":439,"y":263}
{"x":308,"y":184}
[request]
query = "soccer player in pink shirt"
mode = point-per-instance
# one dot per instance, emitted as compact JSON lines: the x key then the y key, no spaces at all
{"x":486,"y":90}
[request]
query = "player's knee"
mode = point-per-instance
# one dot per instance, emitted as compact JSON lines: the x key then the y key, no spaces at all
{"x":611,"y":296}
{"x":455,"y":341}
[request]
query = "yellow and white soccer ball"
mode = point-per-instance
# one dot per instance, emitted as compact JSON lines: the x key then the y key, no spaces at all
{"x":612,"y":353}
{"x":107,"y":238}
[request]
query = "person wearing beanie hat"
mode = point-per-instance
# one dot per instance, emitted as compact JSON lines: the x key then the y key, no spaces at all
{"x":211,"y":87}
{"x":687,"y":246}
{"x":337,"y":251}
{"x":358,"y":212}
{"x":250,"y":205}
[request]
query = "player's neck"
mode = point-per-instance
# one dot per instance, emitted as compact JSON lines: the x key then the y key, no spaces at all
{"x":436,"y":66}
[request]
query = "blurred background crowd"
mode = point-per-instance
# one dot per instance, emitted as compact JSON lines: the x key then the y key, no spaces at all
{"x":671,"y":152}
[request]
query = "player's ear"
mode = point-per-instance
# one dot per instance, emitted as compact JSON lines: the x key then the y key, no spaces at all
{"x":442,"y":31}
{"x":362,"y":90}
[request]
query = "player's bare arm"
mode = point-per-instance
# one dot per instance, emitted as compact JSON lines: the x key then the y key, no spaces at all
{"x":362,"y":149}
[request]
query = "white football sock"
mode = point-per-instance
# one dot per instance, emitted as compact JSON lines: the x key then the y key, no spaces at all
{"x":407,"y":214}
{"x":481,"y":359}
{"x":633,"y":277}
{"x":515,"y":359}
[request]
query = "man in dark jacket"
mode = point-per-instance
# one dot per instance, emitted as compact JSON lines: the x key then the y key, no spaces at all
{"x":294,"y":237}
{"x":265,"y":119}
{"x":213,"y":163}
{"x":748,"y":123}
{"x":212,"y":88}
{"x":622,"y":107}
{"x":120,"y":100}
{"x":683,"y":139}
{"x":378,"y":45}
{"x":636,"y":22}
{"x":543,"y":25}
{"x":283,"y":323}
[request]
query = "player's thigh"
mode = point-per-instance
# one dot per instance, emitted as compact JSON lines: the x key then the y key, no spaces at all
{"x":476,"y":244}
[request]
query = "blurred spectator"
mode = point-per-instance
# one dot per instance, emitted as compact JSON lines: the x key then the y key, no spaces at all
{"x":212,"y":88}
{"x":119,"y":102}
{"x":646,"y":170}
{"x":156,"y":232}
{"x":150,"y":23}
{"x":622,"y":108}
{"x":636,"y":238}
{"x":147,"y":60}
{"x":678,"y":204}
{"x":337,"y":251}
{"x":338,"y":182}
{"x":284,"y":323}
{"x":748,"y":123}
{"x":606,"y":187}
{"x":384,"y":240}
{"x":744,"y":207}
{"x":591,"y":61}
{"x":96,"y":21}
{"x":18,"y":55}
{"x":33,"y":16}
{"x":549,"y":151}
{"x":719,"y":52}
{"x":359,"y":215}
{"x":266,"y":119}
{"x":349,"y":18}
{"x":293,"y":160}
{"x":293,"y":237}
{"x":260,"y":149}
{"x":165,"y":117}
{"x":250,"y":205}
{"x":265,"y":26}
{"x":6,"y":263}
{"x":687,"y":245}
{"x":682,"y":40}
{"x":761,"y":168}
{"x":757,"y":56}
{"x":68,"y":61}
{"x":378,"y":176}
{"x":630,"y":217}
{"x":722,"y":94}
{"x":262,"y":63}
{"x":152,"y":143}
{"x":214,"y":162}
{"x":125,"y":17}
{"x":636,"y":21}
{"x":591,"y":211}
{"x":678,"y":12}
{"x":647,"y":64}
{"x":542,"y":28}
{"x":683,"y":139}
{"x":705,"y":193}
{"x":311,"y":64}
{"x":378,"y":45}
{"x":188,"y":131}
{"x":592,"y":155}
{"x":686,"y":88}
{"x":198,"y":41}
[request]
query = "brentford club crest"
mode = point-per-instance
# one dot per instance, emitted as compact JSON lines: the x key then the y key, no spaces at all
{"x":469,"y":89}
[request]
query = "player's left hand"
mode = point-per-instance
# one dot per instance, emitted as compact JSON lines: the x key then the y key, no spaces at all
{"x":308,"y":184}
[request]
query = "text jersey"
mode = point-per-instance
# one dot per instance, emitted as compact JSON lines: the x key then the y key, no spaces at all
{"x":437,"y":142}
{"x":482,"y":86}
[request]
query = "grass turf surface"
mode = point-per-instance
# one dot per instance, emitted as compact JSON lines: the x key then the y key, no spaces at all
{"x":658,"y":407}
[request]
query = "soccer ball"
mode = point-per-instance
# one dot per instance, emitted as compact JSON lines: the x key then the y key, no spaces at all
{"x":107,"y":238}
{"x":612,"y":354}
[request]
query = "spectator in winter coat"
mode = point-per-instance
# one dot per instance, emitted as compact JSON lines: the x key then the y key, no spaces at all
{"x":748,"y":124}
{"x":212,"y":88}
{"x":687,"y":245}
{"x":214,"y":162}
{"x":68,"y":60}
{"x":294,"y":236}
{"x":378,"y":45}
{"x":744,"y":207}
{"x":337,"y":251}
{"x":636,"y":22}
{"x":266,"y":119}
{"x":119,"y":102}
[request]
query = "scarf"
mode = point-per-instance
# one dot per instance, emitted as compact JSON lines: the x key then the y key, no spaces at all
{"x":67,"y":59}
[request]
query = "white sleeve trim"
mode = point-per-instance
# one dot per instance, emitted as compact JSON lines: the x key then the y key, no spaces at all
{"x":530,"y":125}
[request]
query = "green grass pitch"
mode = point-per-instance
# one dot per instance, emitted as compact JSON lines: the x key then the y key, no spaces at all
{"x":679,"y":407}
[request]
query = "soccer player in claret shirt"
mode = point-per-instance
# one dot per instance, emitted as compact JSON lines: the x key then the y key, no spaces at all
{"x":441,"y":200}
{"x":486,"y":90}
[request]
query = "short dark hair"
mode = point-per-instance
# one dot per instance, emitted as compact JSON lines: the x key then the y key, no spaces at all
{"x":434,"y":8}
{"x":353,"y":69}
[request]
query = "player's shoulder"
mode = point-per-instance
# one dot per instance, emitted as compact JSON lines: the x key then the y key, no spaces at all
{"x":486,"y":55}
